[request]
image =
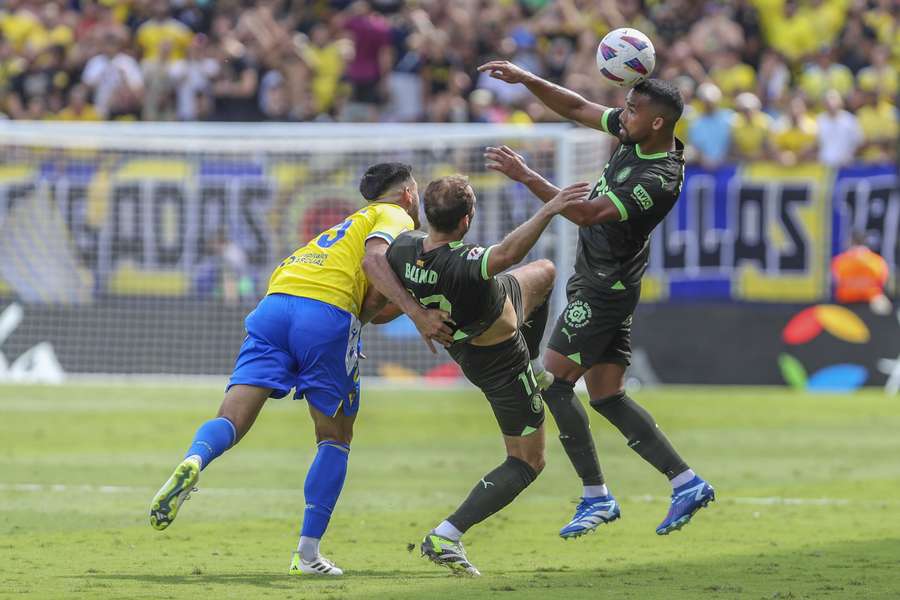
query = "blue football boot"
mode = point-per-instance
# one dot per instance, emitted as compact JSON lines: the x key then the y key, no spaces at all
{"x":686,"y":500}
{"x":590,"y":514}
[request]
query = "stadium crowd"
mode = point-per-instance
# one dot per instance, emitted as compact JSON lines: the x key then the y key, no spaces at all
{"x":792,"y":79}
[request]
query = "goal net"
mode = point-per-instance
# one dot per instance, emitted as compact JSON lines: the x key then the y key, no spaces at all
{"x":139,"y":248}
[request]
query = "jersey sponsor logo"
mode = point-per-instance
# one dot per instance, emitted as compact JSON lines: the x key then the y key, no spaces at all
{"x":305,"y":259}
{"x":642,"y":196}
{"x":419,"y":275}
{"x":577,"y":314}
{"x":475,"y":253}
{"x":623,"y":174}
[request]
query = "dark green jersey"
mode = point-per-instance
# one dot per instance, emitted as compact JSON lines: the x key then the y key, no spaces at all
{"x":614,"y":255}
{"x":452,"y":277}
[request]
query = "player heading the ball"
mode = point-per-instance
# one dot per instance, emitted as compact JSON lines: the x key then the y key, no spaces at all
{"x":592,"y":337}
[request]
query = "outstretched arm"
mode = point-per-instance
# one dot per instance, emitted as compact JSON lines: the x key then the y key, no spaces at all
{"x":511,"y":164}
{"x":560,"y":100}
{"x":522,"y":239}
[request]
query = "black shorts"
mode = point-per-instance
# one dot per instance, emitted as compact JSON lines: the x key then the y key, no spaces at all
{"x":595,"y":327}
{"x":503,"y":373}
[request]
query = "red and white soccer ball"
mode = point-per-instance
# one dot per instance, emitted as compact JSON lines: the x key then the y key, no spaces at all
{"x":626,"y":57}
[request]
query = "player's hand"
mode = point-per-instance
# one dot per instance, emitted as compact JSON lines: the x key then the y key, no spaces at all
{"x":432,"y":325}
{"x":506,"y":161}
{"x":577,"y":192}
{"x":505,"y":71}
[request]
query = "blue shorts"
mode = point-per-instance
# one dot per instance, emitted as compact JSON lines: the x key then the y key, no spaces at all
{"x":300,"y":343}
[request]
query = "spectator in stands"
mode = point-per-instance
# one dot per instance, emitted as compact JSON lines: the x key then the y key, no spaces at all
{"x":826,"y":18}
{"x":682,"y":62}
{"x":17,"y":23}
{"x":79,"y":107}
{"x":274,"y":98}
{"x":11,"y":64}
{"x":161,"y":38}
{"x":235,"y":90}
{"x":410,"y":61}
{"x":789,"y":31}
{"x":326,"y":57}
{"x":192,"y":79}
{"x":406,"y":86}
{"x":747,"y":17}
{"x":880,"y":74}
{"x":45,"y":78}
{"x":839,"y":132}
{"x":441,"y":75}
{"x":159,"y":100}
{"x":716,"y":33}
{"x":710,"y":132}
{"x":877,"y":118}
{"x":259,"y":28}
{"x":824,"y":74}
{"x":51,"y":30}
{"x":116,"y":79}
{"x":751,"y":129}
{"x":730,"y":75}
{"x":773,"y":80}
{"x":371,"y":61}
{"x":859,"y":275}
{"x":795,"y":134}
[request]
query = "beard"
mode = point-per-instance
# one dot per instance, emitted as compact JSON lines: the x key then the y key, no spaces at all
{"x":413,"y":213}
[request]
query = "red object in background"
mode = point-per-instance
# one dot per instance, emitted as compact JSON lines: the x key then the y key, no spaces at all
{"x":446,"y":372}
{"x":804,"y":327}
{"x":323,"y":214}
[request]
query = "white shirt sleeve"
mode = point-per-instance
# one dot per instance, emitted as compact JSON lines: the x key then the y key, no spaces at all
{"x":93,"y":70}
{"x":131,"y":70}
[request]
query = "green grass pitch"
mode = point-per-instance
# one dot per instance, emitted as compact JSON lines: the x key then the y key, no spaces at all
{"x":808,"y":500}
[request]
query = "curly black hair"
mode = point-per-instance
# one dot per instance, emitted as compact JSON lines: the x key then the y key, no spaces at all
{"x":664,"y":95}
{"x":381,"y":177}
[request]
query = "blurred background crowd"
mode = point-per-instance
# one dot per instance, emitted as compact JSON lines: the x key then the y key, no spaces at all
{"x":792,"y":80}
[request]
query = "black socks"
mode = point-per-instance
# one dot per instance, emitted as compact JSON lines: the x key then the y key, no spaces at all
{"x":643,"y":434}
{"x":495,"y":490}
{"x":574,"y":430}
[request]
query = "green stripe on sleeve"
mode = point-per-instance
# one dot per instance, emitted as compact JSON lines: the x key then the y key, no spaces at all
{"x":623,"y":214}
{"x":604,"y":122}
{"x":484,"y":263}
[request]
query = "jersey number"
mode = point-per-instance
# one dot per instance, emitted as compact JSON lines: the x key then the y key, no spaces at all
{"x":528,"y":381}
{"x":326,"y":241}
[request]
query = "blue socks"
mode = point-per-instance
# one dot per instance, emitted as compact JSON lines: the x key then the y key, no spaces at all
{"x":324,"y":482}
{"x":212,"y":439}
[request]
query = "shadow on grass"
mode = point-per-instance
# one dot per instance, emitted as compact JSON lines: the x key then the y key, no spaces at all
{"x":270,"y":580}
{"x":864,"y":569}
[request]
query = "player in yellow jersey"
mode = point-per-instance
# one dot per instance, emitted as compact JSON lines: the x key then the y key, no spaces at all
{"x":304,"y":334}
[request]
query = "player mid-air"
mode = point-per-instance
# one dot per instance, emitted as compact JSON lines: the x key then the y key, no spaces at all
{"x":304,"y":334}
{"x":498,"y":323}
{"x":592,"y":338}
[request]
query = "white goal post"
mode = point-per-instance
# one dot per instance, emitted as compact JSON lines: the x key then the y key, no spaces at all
{"x":137,"y":248}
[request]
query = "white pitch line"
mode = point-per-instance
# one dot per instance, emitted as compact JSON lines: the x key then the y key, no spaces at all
{"x":125,"y":489}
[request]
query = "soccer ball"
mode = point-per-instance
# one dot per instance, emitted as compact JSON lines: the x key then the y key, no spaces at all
{"x":626,"y":57}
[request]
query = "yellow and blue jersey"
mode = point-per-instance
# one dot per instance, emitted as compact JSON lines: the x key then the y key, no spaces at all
{"x":329,"y":267}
